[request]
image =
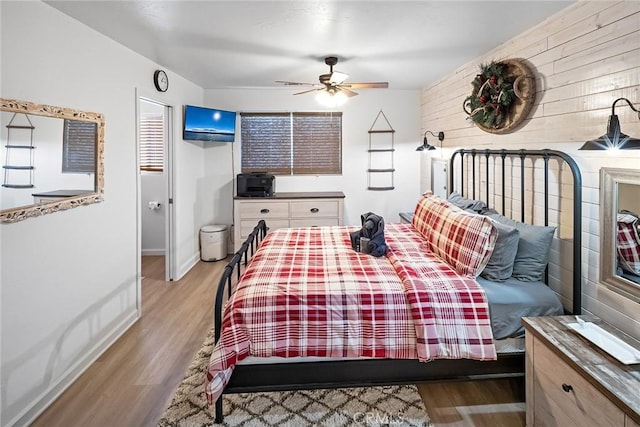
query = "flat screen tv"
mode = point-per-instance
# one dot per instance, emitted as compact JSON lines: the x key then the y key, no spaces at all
{"x":208,"y":124}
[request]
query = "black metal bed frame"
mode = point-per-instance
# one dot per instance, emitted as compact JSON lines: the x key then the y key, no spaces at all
{"x":375,"y":372}
{"x":545,"y":155}
{"x":238,"y":260}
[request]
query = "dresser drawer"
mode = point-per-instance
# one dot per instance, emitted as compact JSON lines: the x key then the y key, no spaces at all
{"x":314,"y":208}
{"x":297,"y":210}
{"x":313,"y":222}
{"x":562,"y":394}
{"x":247,"y":225}
{"x":263,"y":209}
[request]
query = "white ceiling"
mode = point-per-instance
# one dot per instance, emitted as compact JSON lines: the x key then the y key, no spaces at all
{"x":233,"y":44}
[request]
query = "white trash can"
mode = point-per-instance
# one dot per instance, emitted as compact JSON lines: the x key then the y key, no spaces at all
{"x":213,"y":242}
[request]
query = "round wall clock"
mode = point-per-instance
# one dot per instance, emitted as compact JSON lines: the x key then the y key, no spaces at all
{"x":161,"y":80}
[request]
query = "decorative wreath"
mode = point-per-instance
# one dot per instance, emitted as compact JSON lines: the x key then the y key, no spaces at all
{"x":503,"y":93}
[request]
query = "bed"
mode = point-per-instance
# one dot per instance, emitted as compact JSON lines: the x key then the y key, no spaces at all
{"x":405,"y":317}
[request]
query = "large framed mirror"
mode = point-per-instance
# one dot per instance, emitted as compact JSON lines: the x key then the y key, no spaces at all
{"x":52,"y":159}
{"x":620,"y":235}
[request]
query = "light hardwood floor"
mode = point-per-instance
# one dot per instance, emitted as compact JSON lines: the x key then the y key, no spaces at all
{"x":490,"y":403}
{"x":133,"y":381}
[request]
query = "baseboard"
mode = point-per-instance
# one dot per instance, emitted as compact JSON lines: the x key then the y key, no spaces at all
{"x":32,"y":411}
{"x":153,"y":252}
{"x":184,"y":268}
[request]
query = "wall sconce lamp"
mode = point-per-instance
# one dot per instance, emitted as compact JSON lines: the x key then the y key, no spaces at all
{"x":614,"y":139}
{"x":425,"y":145}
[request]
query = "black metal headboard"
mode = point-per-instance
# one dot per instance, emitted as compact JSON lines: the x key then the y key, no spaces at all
{"x":476,"y":156}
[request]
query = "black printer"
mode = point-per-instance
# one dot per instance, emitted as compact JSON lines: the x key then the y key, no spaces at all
{"x":257,"y":184}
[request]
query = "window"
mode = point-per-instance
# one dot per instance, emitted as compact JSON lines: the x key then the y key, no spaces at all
{"x":152,"y":142}
{"x":292,"y":143}
{"x":79,"y":147}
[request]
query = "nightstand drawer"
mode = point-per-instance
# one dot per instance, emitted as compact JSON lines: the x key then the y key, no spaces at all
{"x":562,"y":394}
{"x":314,"y":208}
{"x":264,"y":209}
{"x":313,"y":222}
{"x":247,"y":225}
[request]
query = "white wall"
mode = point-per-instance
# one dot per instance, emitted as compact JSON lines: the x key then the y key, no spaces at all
{"x":69,"y":279}
{"x":628,"y":198}
{"x":584,"y":58}
{"x":399,"y":106}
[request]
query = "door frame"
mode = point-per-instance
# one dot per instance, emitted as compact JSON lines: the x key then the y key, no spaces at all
{"x":169,"y":161}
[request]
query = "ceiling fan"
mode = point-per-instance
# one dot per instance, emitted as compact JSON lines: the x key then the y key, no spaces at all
{"x":334,"y":82}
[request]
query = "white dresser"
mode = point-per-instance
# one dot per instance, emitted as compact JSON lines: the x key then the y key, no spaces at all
{"x":283,"y":210}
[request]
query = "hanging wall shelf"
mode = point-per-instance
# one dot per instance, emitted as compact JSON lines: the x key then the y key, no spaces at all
{"x":381,"y":149}
{"x":18,"y":166}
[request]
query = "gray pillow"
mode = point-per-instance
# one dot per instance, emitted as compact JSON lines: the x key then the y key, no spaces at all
{"x":500,"y":265}
{"x":477,"y":206}
{"x":533,"y":249}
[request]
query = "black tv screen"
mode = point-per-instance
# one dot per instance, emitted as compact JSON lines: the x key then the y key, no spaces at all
{"x":208,"y":124}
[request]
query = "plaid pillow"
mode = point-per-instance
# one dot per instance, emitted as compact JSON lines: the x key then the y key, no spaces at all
{"x":628,"y":242}
{"x":463,"y":240}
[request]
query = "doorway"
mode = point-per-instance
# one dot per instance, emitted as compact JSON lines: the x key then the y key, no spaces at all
{"x":155,"y":183}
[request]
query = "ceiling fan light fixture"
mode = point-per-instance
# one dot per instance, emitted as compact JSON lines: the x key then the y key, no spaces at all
{"x":331,"y":99}
{"x":332,"y":89}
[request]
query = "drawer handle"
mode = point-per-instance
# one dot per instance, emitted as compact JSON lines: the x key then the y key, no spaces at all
{"x":567,"y":388}
{"x":314,"y":210}
{"x":264,"y":211}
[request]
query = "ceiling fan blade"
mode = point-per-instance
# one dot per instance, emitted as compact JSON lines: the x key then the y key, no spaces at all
{"x":337,"y":77}
{"x":370,"y":85}
{"x":347,"y":91}
{"x":333,"y":82}
{"x":295,"y":83}
{"x":307,"y":91}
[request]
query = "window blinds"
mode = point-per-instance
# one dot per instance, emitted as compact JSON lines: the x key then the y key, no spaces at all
{"x":152,"y":142}
{"x":79,"y":147}
{"x":292,"y":143}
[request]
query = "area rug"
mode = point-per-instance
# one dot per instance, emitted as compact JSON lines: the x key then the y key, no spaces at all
{"x":369,"y":406}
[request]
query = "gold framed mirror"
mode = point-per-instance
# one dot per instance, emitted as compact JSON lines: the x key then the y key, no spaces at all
{"x":52,"y":159}
{"x":619,"y":211}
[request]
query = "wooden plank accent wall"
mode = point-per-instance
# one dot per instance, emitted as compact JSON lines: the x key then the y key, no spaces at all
{"x":584,"y":57}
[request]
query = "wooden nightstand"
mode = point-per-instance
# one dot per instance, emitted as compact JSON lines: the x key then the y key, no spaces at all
{"x":572,"y":382}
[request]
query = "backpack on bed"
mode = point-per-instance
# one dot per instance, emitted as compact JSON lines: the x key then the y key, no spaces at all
{"x":370,"y":238}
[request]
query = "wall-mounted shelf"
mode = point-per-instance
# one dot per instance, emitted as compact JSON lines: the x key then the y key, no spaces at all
{"x":381,"y":149}
{"x":18,"y":166}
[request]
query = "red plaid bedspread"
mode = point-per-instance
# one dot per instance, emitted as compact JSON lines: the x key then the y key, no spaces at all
{"x":306,"y":292}
{"x":628,"y":242}
{"x":450,"y":312}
